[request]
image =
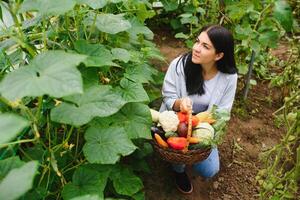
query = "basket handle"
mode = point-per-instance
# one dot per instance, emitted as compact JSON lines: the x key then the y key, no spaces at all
{"x":189,"y":134}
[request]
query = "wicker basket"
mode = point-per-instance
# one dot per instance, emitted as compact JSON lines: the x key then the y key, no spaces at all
{"x":182,"y":156}
{"x":178,"y":157}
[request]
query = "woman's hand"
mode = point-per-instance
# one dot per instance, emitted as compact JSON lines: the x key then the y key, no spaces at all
{"x":185,"y":104}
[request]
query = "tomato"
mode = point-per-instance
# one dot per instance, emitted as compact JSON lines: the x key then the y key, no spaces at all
{"x":182,"y":117}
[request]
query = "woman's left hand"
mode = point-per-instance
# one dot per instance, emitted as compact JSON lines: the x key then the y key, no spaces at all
{"x":186,"y":104}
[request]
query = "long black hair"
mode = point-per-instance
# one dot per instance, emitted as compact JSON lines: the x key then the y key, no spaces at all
{"x":222,"y":41}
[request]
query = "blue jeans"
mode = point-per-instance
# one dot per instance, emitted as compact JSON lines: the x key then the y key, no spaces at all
{"x":206,"y":168}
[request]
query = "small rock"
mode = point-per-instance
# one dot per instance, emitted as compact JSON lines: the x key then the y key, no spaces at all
{"x":220,"y":179}
{"x":227,"y":197}
{"x":215,"y":185}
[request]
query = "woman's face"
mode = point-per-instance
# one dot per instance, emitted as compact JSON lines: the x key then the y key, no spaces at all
{"x":203,"y":50}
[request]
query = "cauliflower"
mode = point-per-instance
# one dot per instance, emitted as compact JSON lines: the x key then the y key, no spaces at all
{"x":154,"y":115}
{"x":168,"y":121}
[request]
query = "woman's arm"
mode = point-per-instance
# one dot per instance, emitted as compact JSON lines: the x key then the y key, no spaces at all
{"x":170,"y":94}
{"x":227,"y":99}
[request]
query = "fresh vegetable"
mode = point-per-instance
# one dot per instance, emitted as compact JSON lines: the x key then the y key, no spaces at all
{"x":160,"y":141}
{"x":154,"y":115}
{"x":177,"y":143}
{"x":195,"y":121}
{"x":182,"y":117}
{"x":206,"y":117}
{"x":194,"y":140}
{"x":155,"y":129}
{"x":170,"y":134}
{"x":168,"y":121}
{"x":205,"y":125}
{"x":182,"y":129}
{"x":204,"y":131}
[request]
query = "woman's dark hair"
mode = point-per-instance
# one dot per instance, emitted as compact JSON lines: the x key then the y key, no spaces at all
{"x":222,"y":41}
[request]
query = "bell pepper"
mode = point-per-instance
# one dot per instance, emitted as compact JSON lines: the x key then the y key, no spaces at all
{"x":177,"y":143}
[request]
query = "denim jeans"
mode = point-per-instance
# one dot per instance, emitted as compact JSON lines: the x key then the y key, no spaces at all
{"x":206,"y":168}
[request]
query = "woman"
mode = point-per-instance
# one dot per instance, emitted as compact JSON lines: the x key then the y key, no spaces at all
{"x":202,"y":78}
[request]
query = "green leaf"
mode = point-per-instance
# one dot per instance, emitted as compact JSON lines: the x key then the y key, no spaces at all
{"x":46,"y":7}
{"x":181,"y":35}
{"x":283,"y":14}
{"x":98,"y":55}
{"x":243,"y":69}
{"x":8,"y":164}
{"x":95,"y":4}
{"x":98,"y":101}
{"x":139,"y":28}
{"x":120,"y":54}
{"x":1,"y":13}
{"x":53,"y":73}
{"x":132,"y":91}
{"x":253,"y":82}
{"x":139,"y":73}
{"x":170,"y":5}
{"x":86,"y":181}
{"x":139,"y":196}
{"x":88,"y":197}
{"x":254,"y":45}
{"x":143,"y":13}
{"x":11,"y":125}
{"x":237,"y":10}
{"x":125,"y":181}
{"x":106,"y":145}
{"x":109,"y":23}
{"x":18,"y":181}
{"x":269,"y":38}
{"x":135,"y":118}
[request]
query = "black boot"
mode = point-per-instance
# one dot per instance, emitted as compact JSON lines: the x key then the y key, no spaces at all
{"x":183,"y":183}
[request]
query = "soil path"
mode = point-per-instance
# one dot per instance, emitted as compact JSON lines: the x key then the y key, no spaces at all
{"x":251,"y":131}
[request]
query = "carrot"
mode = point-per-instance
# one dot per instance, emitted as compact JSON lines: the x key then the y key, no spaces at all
{"x":160,"y":141}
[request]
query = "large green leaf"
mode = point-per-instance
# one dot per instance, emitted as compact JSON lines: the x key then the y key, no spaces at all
{"x":86,"y":181}
{"x":135,"y":118}
{"x":170,"y":5}
{"x":98,"y":55}
{"x":18,"y":181}
{"x":11,"y":125}
{"x":46,"y":7}
{"x":138,"y":28}
{"x":132,"y":91}
{"x":125,"y":181}
{"x":88,"y":197}
{"x":269,"y":38}
{"x":53,"y":73}
{"x":106,"y":145}
{"x":237,"y":10}
{"x":140,"y":73}
{"x":95,"y":4}
{"x":108,"y":23}
{"x":283,"y":13}
{"x":121,"y":54}
{"x":98,"y":101}
{"x":8,"y":164}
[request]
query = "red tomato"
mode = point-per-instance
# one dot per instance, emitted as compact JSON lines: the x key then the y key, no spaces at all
{"x":182,"y":117}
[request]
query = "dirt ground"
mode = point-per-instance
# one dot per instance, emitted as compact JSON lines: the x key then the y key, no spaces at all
{"x":251,"y":131}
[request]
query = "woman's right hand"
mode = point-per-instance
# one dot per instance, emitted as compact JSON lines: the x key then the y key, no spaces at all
{"x":185,"y":104}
